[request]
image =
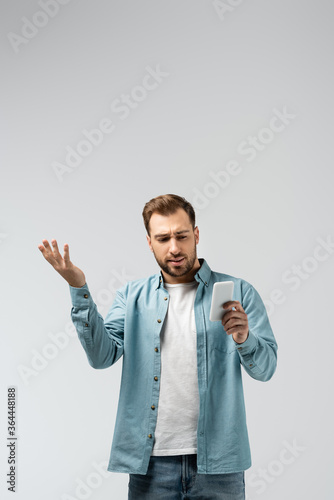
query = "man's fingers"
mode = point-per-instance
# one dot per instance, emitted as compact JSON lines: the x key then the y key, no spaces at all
{"x":45,"y":248}
{"x":233,"y":316}
{"x":41,"y":248}
{"x":233,"y":303}
{"x":52,"y":256}
{"x":46,"y":244}
{"x":234,"y":322}
{"x":55,"y":248}
{"x":66,"y":253}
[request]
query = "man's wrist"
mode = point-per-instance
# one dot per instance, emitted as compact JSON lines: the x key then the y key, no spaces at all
{"x":239,"y":343}
{"x":76,"y":285}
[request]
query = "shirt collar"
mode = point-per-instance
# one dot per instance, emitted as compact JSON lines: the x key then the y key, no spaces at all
{"x":203,"y":274}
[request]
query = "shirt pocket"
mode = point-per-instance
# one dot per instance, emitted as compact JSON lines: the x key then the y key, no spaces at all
{"x":218,"y":339}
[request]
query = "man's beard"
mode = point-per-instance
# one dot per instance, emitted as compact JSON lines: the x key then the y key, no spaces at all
{"x":181,"y":270}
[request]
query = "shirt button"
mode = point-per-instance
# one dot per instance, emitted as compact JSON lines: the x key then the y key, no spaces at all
{"x":86,"y":296}
{"x":156,"y":349}
{"x":239,"y":348}
{"x":153,"y":407}
{"x":155,"y":378}
{"x":159,"y":320}
{"x":165,"y":298}
{"x":150,"y":435}
{"x":86,"y":324}
{"x":251,"y":365}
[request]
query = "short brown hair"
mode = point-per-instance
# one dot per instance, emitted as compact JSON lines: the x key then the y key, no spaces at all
{"x":167,"y":204}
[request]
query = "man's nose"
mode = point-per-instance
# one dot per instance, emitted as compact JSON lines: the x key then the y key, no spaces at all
{"x":174,"y":246}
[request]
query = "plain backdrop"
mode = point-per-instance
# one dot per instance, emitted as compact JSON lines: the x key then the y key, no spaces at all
{"x":228,"y":104}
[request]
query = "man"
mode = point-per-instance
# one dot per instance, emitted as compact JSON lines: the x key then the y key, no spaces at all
{"x":180,"y":430}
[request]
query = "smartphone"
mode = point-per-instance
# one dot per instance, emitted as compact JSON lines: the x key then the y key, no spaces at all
{"x":222,"y":292}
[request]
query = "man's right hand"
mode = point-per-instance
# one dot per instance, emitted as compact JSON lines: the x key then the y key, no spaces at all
{"x":71,"y":273}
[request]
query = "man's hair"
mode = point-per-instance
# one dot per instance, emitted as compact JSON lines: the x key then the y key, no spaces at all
{"x":167,"y":204}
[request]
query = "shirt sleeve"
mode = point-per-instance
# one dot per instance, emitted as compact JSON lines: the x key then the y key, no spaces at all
{"x":258,"y":354}
{"x":102,"y":340}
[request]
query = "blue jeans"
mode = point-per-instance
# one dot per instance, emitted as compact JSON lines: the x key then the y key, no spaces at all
{"x":176,"y":478}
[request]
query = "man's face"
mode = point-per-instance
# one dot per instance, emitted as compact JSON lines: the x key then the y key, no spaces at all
{"x":173,"y":242}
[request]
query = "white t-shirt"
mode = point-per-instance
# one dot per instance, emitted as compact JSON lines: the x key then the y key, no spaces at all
{"x":176,"y":430}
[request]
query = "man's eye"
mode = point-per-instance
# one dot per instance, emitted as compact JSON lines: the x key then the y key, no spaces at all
{"x":162,"y":240}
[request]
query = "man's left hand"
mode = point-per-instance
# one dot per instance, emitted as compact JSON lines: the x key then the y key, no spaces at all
{"x":235,"y":322}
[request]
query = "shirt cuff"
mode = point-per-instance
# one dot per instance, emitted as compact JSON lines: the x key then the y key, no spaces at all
{"x":81,"y":297}
{"x":248,"y":346}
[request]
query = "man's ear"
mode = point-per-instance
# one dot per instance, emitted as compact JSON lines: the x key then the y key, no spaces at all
{"x":196,"y":232}
{"x":149,"y":242}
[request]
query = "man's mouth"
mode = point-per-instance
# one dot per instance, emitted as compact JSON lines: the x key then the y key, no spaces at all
{"x":177,"y":262}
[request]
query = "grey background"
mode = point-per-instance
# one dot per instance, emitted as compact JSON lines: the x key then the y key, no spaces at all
{"x":226,"y":75}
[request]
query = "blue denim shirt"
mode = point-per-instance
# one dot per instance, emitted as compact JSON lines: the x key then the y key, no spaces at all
{"x":132,"y":329}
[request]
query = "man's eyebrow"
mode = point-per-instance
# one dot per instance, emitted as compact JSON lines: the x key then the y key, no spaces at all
{"x":161,"y":235}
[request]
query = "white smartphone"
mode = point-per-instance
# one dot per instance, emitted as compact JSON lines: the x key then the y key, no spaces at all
{"x":222,"y":292}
